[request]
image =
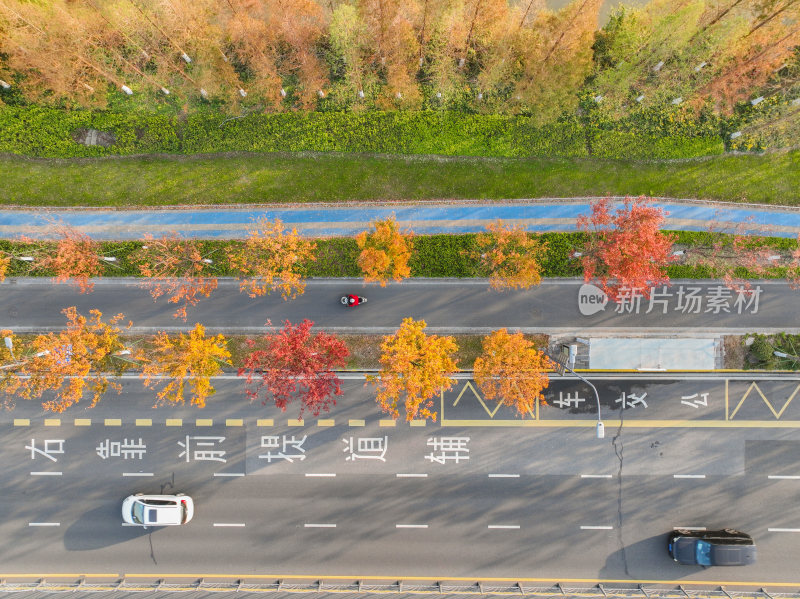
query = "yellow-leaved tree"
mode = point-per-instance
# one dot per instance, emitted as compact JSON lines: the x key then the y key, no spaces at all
{"x":385,"y":252}
{"x":271,"y":259}
{"x":512,"y":371}
{"x":84,"y":356}
{"x":182,"y":359}
{"x":512,"y":257}
{"x":415,"y":366}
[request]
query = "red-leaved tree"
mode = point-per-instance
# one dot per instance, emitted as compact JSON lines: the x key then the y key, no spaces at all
{"x":296,"y":364}
{"x":625,"y":248}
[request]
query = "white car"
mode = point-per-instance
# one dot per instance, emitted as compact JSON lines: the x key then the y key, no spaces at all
{"x":157,"y":510}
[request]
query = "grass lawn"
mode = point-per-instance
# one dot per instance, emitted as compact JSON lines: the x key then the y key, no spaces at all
{"x":275,"y":178}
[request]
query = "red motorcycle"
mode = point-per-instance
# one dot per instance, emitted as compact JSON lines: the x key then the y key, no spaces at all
{"x":351,"y":301}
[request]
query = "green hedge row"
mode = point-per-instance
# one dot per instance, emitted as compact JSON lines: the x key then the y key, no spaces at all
{"x":433,"y":256}
{"x":48,"y":132}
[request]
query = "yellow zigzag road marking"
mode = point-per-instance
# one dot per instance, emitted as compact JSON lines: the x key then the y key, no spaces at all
{"x":752,"y":386}
{"x":491,"y":413}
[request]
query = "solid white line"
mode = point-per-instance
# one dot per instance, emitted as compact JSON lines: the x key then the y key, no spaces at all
{"x":688,"y":528}
{"x":44,"y":523}
{"x":784,"y":476}
{"x":236,"y":524}
{"x":504,"y":526}
{"x":407,"y":475}
{"x":229,"y":474}
{"x":597,"y":528}
{"x":320,"y":525}
{"x":504,"y":476}
{"x":688,"y":476}
{"x":45,"y":473}
{"x":321,"y":474}
{"x":595,"y":476}
{"x":137,"y":474}
{"x":411,"y":526}
{"x":783,"y":529}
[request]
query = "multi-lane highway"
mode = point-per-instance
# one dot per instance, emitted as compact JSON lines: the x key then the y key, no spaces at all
{"x":476,"y":494}
{"x":479,"y":494}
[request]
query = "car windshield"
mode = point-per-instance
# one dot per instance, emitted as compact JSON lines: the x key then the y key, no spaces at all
{"x":702,"y":553}
{"x":138,"y":512}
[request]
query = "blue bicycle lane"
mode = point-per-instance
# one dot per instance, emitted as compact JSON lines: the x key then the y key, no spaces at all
{"x":327,"y":220}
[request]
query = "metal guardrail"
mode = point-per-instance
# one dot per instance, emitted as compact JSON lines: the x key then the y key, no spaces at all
{"x":398,"y":587}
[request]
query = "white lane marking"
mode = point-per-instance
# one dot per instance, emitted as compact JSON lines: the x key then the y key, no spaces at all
{"x":137,"y":474}
{"x":230,"y":524}
{"x":321,"y":474}
{"x":597,"y":528}
{"x":595,"y":476}
{"x":45,"y":473}
{"x":504,"y":526}
{"x":783,"y":529}
{"x":44,"y":523}
{"x":688,"y":528}
{"x":410,"y":475}
{"x":688,"y":476}
{"x":319,"y":525}
{"x":504,"y":476}
{"x":411,"y":526}
{"x":784,"y":476}
{"x":229,"y":474}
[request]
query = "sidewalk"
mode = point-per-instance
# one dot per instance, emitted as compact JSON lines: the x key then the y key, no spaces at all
{"x":326,"y":220}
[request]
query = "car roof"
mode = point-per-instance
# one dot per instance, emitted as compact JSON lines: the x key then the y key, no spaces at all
{"x":161,"y":509}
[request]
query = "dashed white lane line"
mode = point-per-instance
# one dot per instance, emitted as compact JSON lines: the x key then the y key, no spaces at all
{"x":320,"y":474}
{"x":595,"y":476}
{"x":410,"y":475}
{"x":229,"y":524}
{"x":688,"y":476}
{"x":137,"y":474}
{"x":783,"y":529}
{"x":44,"y":523}
{"x":504,"y":526}
{"x":688,"y":528}
{"x":411,"y":526}
{"x":319,"y":525}
{"x":597,"y":528}
{"x":46,"y":473}
{"x":229,"y":474}
{"x":784,"y":476}
{"x":504,"y":476}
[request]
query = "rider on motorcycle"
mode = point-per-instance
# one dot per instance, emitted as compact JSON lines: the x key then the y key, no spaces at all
{"x":352,"y":300}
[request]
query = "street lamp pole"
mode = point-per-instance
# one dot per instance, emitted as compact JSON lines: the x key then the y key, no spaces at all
{"x":601,"y":429}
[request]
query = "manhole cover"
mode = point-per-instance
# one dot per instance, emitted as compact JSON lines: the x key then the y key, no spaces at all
{"x":13,"y":312}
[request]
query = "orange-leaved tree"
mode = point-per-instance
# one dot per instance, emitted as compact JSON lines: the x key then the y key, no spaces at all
{"x":181,"y":359}
{"x":385,"y":252}
{"x":271,"y":259}
{"x":84,"y":356}
{"x":76,"y":257}
{"x":512,"y":256}
{"x":625,"y":249}
{"x":512,"y":371}
{"x":793,"y":269}
{"x":295,"y":364}
{"x":415,"y":366}
{"x":175,"y":267}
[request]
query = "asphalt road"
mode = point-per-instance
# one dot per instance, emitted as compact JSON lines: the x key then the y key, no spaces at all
{"x":687,"y":307}
{"x":474,"y":495}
